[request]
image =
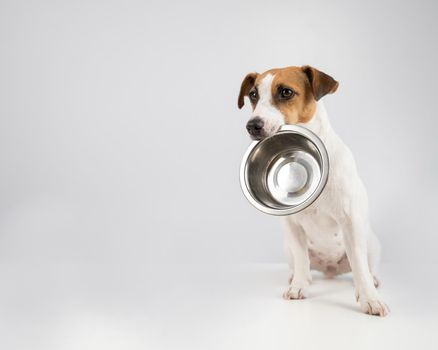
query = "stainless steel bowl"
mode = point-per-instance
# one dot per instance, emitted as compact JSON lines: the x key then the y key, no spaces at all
{"x":284,"y":173}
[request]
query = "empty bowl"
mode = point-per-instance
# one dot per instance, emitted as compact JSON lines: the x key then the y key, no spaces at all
{"x":286,"y":172}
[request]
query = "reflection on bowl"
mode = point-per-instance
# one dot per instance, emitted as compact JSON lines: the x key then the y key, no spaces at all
{"x":284,"y":173}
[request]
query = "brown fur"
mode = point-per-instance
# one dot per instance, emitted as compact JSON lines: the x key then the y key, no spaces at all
{"x":308,"y":83}
{"x":247,"y":84}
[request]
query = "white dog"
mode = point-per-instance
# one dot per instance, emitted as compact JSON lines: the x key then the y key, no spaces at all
{"x":332,"y":235}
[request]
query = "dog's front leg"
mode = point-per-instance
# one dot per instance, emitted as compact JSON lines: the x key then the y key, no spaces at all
{"x":296,"y":244}
{"x":356,"y":248}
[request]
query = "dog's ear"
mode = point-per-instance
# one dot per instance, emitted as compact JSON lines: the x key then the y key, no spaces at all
{"x":246,"y":86}
{"x":321,"y":83}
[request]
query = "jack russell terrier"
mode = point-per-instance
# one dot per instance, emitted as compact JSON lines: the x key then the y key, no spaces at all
{"x":333,"y":235}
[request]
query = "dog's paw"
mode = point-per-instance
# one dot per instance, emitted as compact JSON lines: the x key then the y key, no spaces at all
{"x":297,"y":290}
{"x":373,"y":304}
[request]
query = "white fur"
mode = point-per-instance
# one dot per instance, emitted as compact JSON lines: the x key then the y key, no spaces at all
{"x":265,"y":110}
{"x":336,"y":225}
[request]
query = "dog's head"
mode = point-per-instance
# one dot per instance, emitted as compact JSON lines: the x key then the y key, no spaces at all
{"x":283,"y":96}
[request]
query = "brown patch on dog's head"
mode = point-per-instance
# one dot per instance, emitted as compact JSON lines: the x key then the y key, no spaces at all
{"x":305,"y":85}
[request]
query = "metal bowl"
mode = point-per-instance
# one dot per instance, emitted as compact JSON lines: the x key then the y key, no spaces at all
{"x":284,"y":173}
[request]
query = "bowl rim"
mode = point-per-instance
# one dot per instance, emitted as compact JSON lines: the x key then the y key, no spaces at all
{"x":311,"y":136}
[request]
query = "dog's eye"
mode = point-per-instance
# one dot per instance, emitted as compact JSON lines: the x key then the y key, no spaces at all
{"x":253,"y":95}
{"x":286,"y":93}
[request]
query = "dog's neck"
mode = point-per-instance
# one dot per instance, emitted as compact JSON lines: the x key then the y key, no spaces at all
{"x":320,"y":124}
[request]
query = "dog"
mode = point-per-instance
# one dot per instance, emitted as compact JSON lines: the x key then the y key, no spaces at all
{"x":333,"y":235}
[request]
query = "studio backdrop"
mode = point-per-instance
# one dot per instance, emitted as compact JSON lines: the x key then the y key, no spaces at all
{"x":120,"y":136}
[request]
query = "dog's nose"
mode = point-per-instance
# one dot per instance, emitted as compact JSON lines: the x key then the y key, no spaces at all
{"x":255,"y":126}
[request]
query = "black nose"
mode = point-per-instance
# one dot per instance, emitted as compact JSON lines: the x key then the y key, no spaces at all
{"x":255,"y":126}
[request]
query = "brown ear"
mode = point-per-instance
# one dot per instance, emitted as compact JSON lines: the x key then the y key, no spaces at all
{"x":321,"y":83}
{"x":246,"y":86}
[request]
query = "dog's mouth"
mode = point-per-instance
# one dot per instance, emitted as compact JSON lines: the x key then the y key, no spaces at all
{"x":258,"y":137}
{"x":264,"y":134}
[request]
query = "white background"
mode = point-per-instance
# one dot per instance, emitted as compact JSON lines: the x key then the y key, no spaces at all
{"x":120,"y":137}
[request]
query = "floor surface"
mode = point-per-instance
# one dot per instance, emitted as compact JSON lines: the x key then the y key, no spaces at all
{"x":207,"y":307}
